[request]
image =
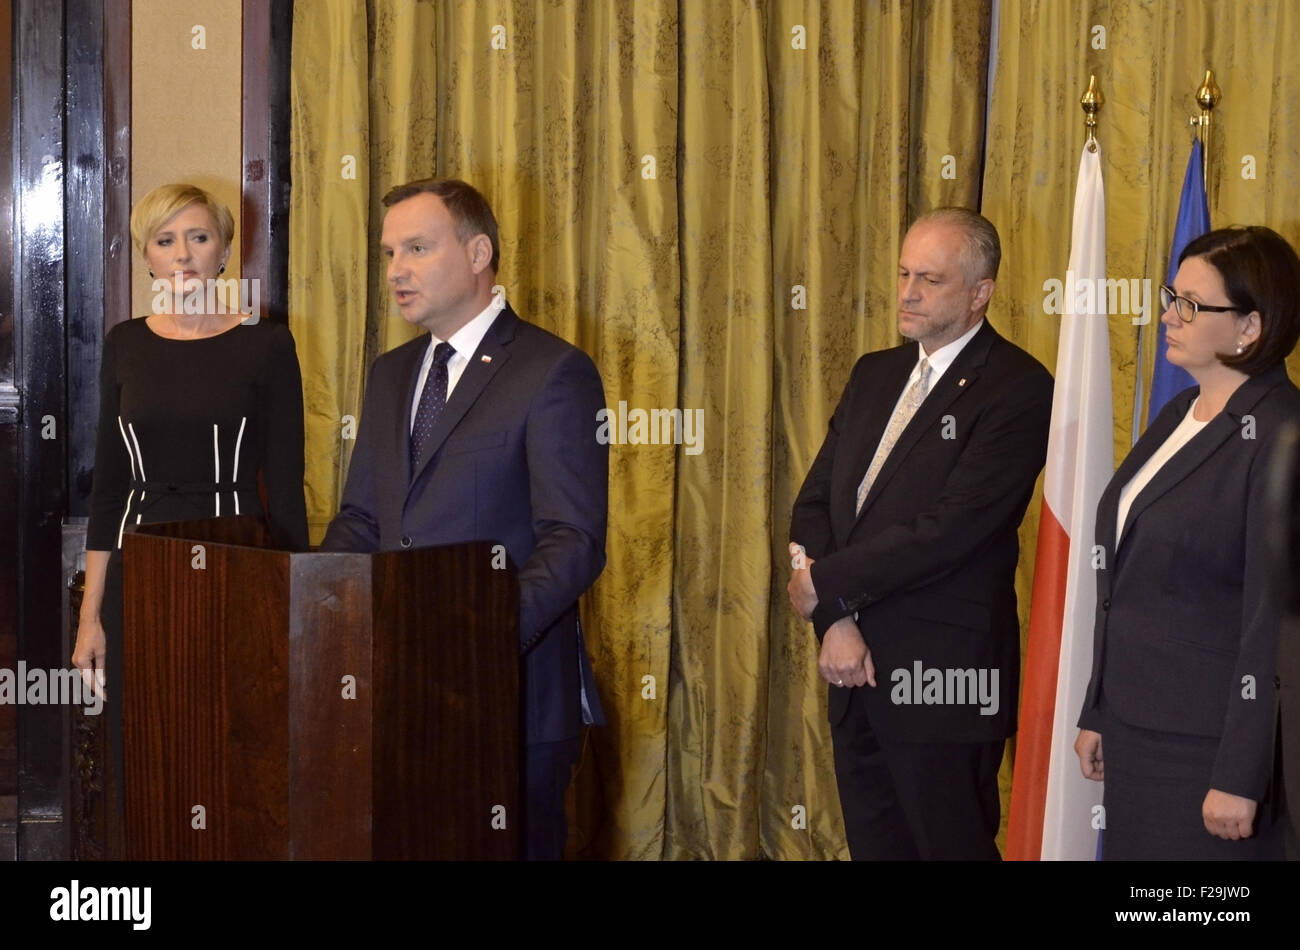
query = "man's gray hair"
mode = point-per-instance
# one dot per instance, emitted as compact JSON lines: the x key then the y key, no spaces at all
{"x":981,"y":251}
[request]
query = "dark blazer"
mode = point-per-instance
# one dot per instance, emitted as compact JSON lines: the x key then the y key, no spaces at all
{"x":1182,"y":613}
{"x":1285,"y":503}
{"x":929,"y":564}
{"x":512,"y":459}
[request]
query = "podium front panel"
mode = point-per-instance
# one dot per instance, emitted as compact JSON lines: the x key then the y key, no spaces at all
{"x":330,"y":718}
{"x":206,"y":693}
{"x":447,"y":772}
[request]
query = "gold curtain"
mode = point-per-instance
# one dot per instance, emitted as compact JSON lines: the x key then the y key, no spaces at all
{"x":793,"y":209}
{"x":709,"y":198}
{"x":329,"y":215}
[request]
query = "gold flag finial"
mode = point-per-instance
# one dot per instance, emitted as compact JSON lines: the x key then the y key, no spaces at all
{"x":1209,"y":94}
{"x":1091,"y":104}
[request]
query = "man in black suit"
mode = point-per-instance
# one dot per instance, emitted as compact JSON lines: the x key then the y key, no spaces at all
{"x":908,"y":518}
{"x":485,"y":429}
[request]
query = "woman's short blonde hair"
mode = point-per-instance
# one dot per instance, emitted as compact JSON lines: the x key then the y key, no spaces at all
{"x":158,"y":206}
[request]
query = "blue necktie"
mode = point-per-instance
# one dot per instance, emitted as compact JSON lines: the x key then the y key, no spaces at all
{"x":432,"y":402}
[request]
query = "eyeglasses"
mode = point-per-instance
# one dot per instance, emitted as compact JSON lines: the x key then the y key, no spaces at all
{"x":1186,"y":308}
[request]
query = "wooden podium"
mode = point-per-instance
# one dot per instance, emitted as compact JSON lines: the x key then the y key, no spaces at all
{"x":317,"y":706}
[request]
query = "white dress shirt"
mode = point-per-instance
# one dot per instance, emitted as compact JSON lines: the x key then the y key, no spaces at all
{"x":1186,"y":431}
{"x":943,"y":357}
{"x":465,"y":342}
{"x":939,"y":362}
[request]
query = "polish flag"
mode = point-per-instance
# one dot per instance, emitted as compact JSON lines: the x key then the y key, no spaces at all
{"x":1055,"y":811}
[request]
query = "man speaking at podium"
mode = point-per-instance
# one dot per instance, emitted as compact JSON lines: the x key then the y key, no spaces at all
{"x":485,"y":429}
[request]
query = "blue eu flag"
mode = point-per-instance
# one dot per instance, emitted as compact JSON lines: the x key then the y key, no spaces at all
{"x":1193,"y":220}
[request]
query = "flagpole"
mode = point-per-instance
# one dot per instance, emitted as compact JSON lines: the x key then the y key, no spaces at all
{"x":1208,"y":95}
{"x":1139,"y":393}
{"x":1138,"y":389}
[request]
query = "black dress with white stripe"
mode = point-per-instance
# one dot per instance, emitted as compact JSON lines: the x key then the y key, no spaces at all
{"x":185,"y":429}
{"x":187,"y":426}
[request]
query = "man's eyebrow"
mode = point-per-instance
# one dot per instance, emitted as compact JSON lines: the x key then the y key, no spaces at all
{"x":417,"y":239}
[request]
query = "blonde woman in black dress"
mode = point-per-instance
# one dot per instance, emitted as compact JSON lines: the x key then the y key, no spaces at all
{"x":194,"y":406}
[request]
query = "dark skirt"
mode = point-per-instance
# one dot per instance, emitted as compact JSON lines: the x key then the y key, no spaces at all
{"x":1156,"y":783}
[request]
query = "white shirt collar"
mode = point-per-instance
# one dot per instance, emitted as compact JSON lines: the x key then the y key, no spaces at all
{"x":943,"y":357}
{"x":466,"y":340}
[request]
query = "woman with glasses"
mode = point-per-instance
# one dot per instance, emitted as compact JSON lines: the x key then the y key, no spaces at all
{"x":1178,"y":717}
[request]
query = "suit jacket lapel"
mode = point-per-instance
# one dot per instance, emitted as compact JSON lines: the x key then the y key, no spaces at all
{"x":1224,"y":426}
{"x":959,"y":378}
{"x":483,"y":364}
{"x":1108,"y":506}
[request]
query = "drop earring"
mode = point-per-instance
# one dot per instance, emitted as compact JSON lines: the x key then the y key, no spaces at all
{"x":150,"y":270}
{"x":221,"y":269}
{"x":1240,"y":347}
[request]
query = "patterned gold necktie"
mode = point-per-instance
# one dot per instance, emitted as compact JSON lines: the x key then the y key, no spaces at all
{"x":903,"y":412}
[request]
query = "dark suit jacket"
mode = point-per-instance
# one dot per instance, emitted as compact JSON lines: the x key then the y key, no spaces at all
{"x":1285,"y":503}
{"x":1182,"y":613}
{"x":929,"y":564}
{"x":512,"y":459}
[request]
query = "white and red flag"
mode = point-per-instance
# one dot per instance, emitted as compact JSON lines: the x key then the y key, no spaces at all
{"x":1054,"y":813}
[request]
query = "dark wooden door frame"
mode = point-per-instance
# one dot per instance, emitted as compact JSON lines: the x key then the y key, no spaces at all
{"x":43,"y":431}
{"x":9,"y":416}
{"x":264,"y":211}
